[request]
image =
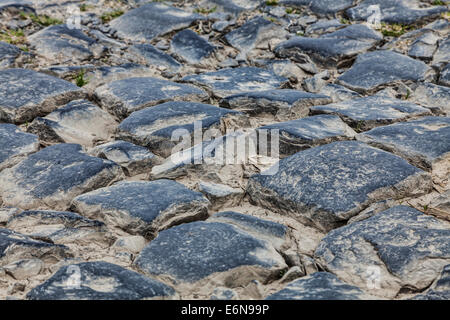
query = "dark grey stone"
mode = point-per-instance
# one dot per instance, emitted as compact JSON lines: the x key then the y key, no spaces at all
{"x":300,"y":134}
{"x":324,"y":7}
{"x":432,"y":96}
{"x":251,"y":33}
{"x":190,"y":46}
{"x":395,"y":11}
{"x":61,"y":44}
{"x":369,"y":112}
{"x":25,"y":94}
{"x":148,"y":54}
{"x":324,"y":26}
{"x":331,"y":48}
{"x":193,"y":251}
{"x":79,"y":121}
{"x":152,"y":20}
{"x":394,"y":249}
{"x":17,"y":6}
{"x":234,"y":6}
{"x":424,"y":46}
{"x":132,"y":158}
{"x":221,"y":195}
{"x":142,"y":207}
{"x":423,"y":142}
{"x":319,"y":286}
{"x":442,"y":54}
{"x":153,"y":127}
{"x":8,"y":54}
{"x":285,"y":103}
{"x":57,"y":227}
{"x":329,"y":184}
{"x":16,"y":145}
{"x":122,"y":97}
{"x":444,"y":78}
{"x":53,"y":176}
{"x":440,"y":289}
{"x":15,"y":246}
{"x":338,"y":93}
{"x":370,"y":71}
{"x":225,"y":82}
{"x":99,"y":281}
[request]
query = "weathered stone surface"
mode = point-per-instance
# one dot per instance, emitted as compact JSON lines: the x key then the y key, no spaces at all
{"x":26,"y":94}
{"x":403,"y":247}
{"x":253,"y":33}
{"x":440,"y":289}
{"x":79,"y":122}
{"x":23,"y":269}
{"x":52,"y":177}
{"x":320,"y":6}
{"x":324,"y":26}
{"x":6,"y":213}
{"x":147,"y":54}
{"x":226,"y":82}
{"x":319,"y":286}
{"x":339,"y":93}
{"x":220,"y":194}
{"x":193,"y":251}
{"x":331,"y":48}
{"x":326,"y":185}
{"x":15,"y":246}
{"x":152,"y":20}
{"x":394,"y":11}
{"x":61,"y":44}
{"x":190,"y":46}
{"x":369,"y":112}
{"x":233,"y":6}
{"x":424,"y":46}
{"x":440,"y":206}
{"x":15,"y":145}
{"x":143,"y":207}
{"x":99,"y":281}
{"x":132,"y":158}
{"x":300,"y":134}
{"x":442,"y":55}
{"x":133,"y":244}
{"x":370,"y":71}
{"x":425,"y":142}
{"x":123,"y":97}
{"x":284,"y":103}
{"x":8,"y":54}
{"x":444,"y":78}
{"x":432,"y":96}
{"x":154,"y":127}
{"x":57,"y":227}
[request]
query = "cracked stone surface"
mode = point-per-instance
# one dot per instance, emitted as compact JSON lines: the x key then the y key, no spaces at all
{"x":155,"y":127}
{"x":16,"y":145}
{"x":152,"y":20}
{"x":297,"y":135}
{"x":231,"y":81}
{"x":25,"y":94}
{"x":53,"y":176}
{"x":326,"y":185}
{"x":230,"y":248}
{"x":122,"y":97}
{"x":395,"y":11}
{"x":284,"y":103}
{"x":79,"y":122}
{"x":224,"y":149}
{"x":319,"y":286}
{"x":143,"y":207}
{"x":369,"y":71}
{"x":366,"y":113}
{"x":404,"y":246}
{"x":101,"y":281}
{"x":332,"y":48}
